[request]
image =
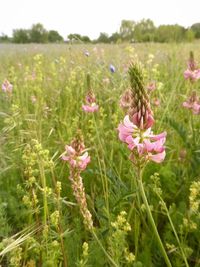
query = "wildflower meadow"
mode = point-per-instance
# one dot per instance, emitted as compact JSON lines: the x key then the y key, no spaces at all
{"x":100,"y":155}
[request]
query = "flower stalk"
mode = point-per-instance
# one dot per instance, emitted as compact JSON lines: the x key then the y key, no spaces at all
{"x":150,"y":217}
{"x":136,"y":133}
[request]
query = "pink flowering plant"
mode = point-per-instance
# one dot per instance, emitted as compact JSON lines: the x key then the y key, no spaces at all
{"x":7,"y":87}
{"x":192,"y":73}
{"x":136,"y":132}
{"x":193,"y":103}
{"x":77,"y":157}
{"x":90,"y":105}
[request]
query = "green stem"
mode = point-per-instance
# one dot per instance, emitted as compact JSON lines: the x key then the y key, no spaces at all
{"x":104,"y":177}
{"x":103,"y":249}
{"x":175,"y":233}
{"x":43,"y":180}
{"x":151,"y":220}
{"x":193,"y":129}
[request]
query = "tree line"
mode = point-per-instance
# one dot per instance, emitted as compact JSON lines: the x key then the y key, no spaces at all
{"x":130,"y":31}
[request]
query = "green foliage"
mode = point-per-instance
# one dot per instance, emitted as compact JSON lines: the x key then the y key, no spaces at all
{"x":38,"y":34}
{"x":54,"y":37}
{"x":43,"y":114}
{"x":77,"y":38}
{"x":196,"y":29}
{"x":103,"y":38}
{"x":21,"y":36}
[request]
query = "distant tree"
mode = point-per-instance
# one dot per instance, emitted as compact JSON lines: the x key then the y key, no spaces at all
{"x":85,"y":39}
{"x":127,"y":29}
{"x":76,"y":38}
{"x":170,"y":33}
{"x":38,"y":34}
{"x":196,"y":29}
{"x":103,"y":38}
{"x":21,"y":36}
{"x":144,"y":31}
{"x":189,"y":35}
{"x":54,"y":37}
{"x":115,"y":37}
{"x":4,"y":38}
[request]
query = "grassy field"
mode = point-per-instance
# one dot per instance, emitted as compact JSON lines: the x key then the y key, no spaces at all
{"x":42,"y":221}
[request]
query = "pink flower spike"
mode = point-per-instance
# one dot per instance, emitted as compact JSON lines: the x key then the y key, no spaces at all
{"x":158,"y":136}
{"x":158,"y":158}
{"x":193,"y":103}
{"x":187,"y":105}
{"x":90,"y":109}
{"x":132,"y":142}
{"x":151,"y":86}
{"x":7,"y":87}
{"x":126,"y":129}
{"x":75,"y":158}
{"x":156,"y":146}
{"x":156,"y":102}
{"x":196,"y":108}
{"x":91,"y":105}
{"x":83,"y":161}
{"x":150,"y":122}
{"x":70,"y":150}
{"x":192,"y":75}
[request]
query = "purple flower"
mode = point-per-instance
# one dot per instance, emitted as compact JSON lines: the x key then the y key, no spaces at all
{"x":112,"y":68}
{"x":86,"y":53}
{"x":7,"y":87}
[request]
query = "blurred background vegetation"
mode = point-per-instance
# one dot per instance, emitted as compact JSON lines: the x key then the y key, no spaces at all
{"x":130,"y":31}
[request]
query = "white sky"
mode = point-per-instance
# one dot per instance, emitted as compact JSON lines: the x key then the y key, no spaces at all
{"x":90,"y":17}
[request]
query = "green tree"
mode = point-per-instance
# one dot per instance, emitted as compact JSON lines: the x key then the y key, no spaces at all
{"x":196,"y":29}
{"x":189,"y":35}
{"x":54,"y":37}
{"x":144,"y":31}
{"x":38,"y":34}
{"x":21,"y":36}
{"x":103,"y":38}
{"x":85,"y":39}
{"x":115,"y":37}
{"x":127,"y":29}
{"x":170,"y":33}
{"x":76,"y":38}
{"x":4,"y":38}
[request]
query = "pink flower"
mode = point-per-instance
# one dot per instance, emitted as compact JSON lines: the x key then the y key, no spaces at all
{"x":193,"y":103}
{"x":192,"y":75}
{"x":126,"y":129}
{"x":142,"y":141}
{"x":7,"y":87}
{"x":94,"y":107}
{"x":76,"y":160}
{"x":126,"y":99}
{"x":196,"y":108}
{"x":91,"y":105}
{"x":151,"y":86}
{"x":138,"y":119}
{"x":156,"y":102}
{"x":158,"y":158}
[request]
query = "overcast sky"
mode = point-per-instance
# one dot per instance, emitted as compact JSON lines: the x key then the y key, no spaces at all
{"x":90,"y":17}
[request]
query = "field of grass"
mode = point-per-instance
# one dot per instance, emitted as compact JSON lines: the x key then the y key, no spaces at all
{"x":42,"y":221}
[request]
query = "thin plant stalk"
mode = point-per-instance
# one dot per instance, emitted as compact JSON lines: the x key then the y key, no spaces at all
{"x":60,"y":231}
{"x":174,"y":230}
{"x":103,"y":249}
{"x":151,"y":220}
{"x":104,"y":181}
